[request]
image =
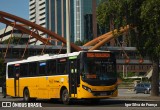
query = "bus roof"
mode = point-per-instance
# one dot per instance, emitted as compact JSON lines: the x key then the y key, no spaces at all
{"x":47,"y":56}
{"x":44,"y":57}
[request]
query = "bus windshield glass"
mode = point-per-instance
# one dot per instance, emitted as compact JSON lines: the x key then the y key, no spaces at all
{"x":99,"y":70}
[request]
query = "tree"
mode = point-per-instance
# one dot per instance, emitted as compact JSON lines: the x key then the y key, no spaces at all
{"x":2,"y":71}
{"x":150,"y":11}
{"x":144,"y":16}
{"x":2,"y":67}
{"x":80,"y":43}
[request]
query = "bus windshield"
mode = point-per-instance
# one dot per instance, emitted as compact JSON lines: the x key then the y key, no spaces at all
{"x":99,"y":71}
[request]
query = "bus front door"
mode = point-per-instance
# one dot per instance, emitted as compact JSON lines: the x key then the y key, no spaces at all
{"x":73,"y":77}
{"x":16,"y":80}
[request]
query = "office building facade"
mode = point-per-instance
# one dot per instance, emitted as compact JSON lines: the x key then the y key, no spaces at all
{"x":17,"y":36}
{"x":51,"y":14}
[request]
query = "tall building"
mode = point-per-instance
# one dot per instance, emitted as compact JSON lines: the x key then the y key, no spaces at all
{"x":85,"y":19}
{"x":37,"y":14}
{"x":51,"y":14}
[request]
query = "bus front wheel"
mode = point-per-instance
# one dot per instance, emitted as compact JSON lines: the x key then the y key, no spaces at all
{"x":65,"y":97}
{"x":26,"y":95}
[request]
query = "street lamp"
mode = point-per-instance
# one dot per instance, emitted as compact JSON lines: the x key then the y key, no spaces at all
{"x":68,"y":25}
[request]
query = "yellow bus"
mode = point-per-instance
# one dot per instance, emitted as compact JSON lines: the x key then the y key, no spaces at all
{"x":88,"y":75}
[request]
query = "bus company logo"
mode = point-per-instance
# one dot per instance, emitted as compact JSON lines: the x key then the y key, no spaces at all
{"x":6,"y":104}
{"x":20,"y":104}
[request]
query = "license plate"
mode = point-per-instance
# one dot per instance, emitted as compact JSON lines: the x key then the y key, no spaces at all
{"x":103,"y":94}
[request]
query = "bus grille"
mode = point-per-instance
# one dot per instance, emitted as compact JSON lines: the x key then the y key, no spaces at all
{"x":102,"y":93}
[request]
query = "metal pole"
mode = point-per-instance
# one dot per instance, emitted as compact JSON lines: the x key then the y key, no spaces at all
{"x":62,"y":18}
{"x":68,"y":26}
{"x":126,"y":71}
{"x":50,"y":22}
{"x":123,"y":71}
{"x":55,"y":20}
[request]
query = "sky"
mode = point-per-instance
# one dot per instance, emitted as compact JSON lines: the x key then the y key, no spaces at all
{"x":16,"y":7}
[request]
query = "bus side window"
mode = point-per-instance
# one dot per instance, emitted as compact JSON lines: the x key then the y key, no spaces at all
{"x":32,"y":69}
{"x":51,"y":67}
{"x":62,"y":68}
{"x":42,"y":68}
{"x":24,"y":69}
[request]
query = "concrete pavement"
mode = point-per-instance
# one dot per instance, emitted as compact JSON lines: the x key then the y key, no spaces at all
{"x":121,"y":102}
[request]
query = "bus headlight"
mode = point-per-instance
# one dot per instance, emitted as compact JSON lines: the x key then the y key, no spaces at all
{"x":86,"y":88}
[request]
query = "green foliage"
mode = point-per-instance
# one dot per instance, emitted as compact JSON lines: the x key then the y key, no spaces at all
{"x":150,"y":15}
{"x":81,"y":43}
{"x":129,"y":74}
{"x":143,"y":14}
{"x":15,"y":40}
{"x":107,"y":12}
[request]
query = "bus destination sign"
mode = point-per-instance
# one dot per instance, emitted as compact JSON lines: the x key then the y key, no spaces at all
{"x":98,"y":55}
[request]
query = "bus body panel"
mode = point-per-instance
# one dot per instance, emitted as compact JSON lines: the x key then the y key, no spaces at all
{"x":40,"y":87}
{"x":82,"y":93}
{"x":30,"y":83}
{"x":10,"y":87}
{"x":55,"y":83}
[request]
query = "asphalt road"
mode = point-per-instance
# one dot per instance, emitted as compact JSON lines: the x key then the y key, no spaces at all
{"x":126,"y":98}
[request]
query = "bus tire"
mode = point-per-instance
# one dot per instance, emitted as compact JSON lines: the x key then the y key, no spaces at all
{"x":65,"y":97}
{"x":26,"y":95}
